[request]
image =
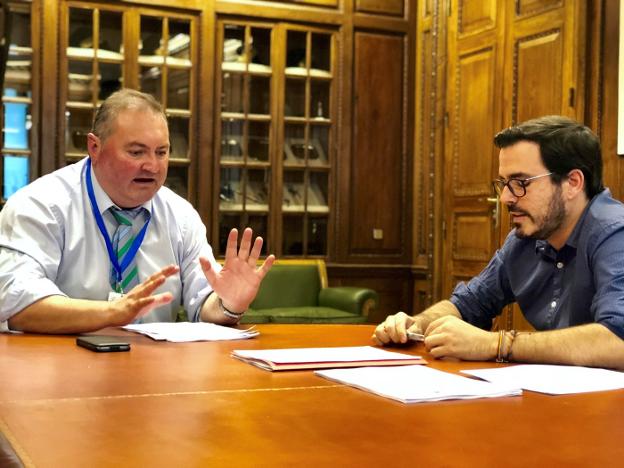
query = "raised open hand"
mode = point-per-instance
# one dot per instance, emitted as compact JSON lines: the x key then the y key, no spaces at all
{"x":238,"y":281}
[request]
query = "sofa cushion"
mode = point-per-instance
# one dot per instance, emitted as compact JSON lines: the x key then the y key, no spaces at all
{"x":301,"y":315}
{"x":289,"y":286}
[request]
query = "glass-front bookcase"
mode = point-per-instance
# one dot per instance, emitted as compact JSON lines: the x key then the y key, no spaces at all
{"x":274,"y":134}
{"x":17,"y":102}
{"x":110,"y":47}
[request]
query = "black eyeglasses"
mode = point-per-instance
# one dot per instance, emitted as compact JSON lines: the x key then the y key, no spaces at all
{"x":517,"y":187}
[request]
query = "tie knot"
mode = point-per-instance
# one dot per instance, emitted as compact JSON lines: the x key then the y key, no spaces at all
{"x":125,"y":216}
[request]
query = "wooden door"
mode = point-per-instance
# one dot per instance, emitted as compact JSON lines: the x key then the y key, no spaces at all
{"x":474,"y":109}
{"x":508,"y":62}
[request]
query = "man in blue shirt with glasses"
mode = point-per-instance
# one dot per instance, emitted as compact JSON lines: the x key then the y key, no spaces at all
{"x":563,"y":262}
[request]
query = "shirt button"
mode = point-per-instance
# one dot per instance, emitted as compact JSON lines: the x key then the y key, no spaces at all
{"x":553,"y":304}
{"x":559,"y":265}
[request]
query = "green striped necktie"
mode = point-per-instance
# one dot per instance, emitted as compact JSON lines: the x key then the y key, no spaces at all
{"x":122,"y":240}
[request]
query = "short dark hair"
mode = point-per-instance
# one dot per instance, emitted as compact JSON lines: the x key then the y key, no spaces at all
{"x":564,"y":145}
{"x":119,"y":101}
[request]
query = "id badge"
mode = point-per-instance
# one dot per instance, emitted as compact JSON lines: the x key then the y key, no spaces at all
{"x":114,"y":295}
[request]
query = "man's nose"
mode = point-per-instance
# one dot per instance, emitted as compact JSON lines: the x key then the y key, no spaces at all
{"x":150,"y":162}
{"x":507,"y":197}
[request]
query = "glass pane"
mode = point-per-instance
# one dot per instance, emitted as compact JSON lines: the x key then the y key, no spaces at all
{"x":77,"y":126}
{"x":232,"y":139}
{"x":150,"y":81}
{"x":178,"y":89}
{"x":296,"y":52}
{"x":179,"y":136}
{"x":259,"y":95}
{"x":227,"y":222}
{"x":294,"y":145}
{"x":230,"y":193}
{"x":15,"y":174}
{"x":321,"y":52}
{"x":20,"y":30}
{"x":233,"y":49}
{"x":259,"y":225}
{"x":110,"y":79}
{"x":317,"y":236}
{"x":80,"y":32}
{"x":259,"y":141}
{"x":318,"y":145}
{"x":257,"y":190}
{"x":295,"y":98}
{"x":177,"y":180}
{"x":293,"y":235}
{"x":233,"y":92}
{"x":317,"y":193}
{"x":260,"y":48}
{"x":319,"y":99}
{"x":17,"y":123}
{"x":80,"y":81}
{"x":293,"y":193}
{"x":151,"y":38}
{"x":110,"y":33}
{"x":179,"y":50}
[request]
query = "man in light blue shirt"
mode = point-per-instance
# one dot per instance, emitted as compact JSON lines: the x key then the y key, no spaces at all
{"x":56,"y":257}
{"x":563,"y":263}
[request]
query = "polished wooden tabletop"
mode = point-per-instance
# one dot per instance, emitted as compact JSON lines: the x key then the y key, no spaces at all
{"x":192,"y":405}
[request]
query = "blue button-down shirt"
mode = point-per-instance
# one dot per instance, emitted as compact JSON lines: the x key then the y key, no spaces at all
{"x":581,"y":283}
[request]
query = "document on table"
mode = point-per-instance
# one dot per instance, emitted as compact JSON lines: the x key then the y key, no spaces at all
{"x":551,"y":379}
{"x":417,"y":384}
{"x":322,"y":358}
{"x":191,"y":331}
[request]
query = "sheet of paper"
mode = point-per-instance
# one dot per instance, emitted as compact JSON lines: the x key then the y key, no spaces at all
{"x":551,"y":379}
{"x":335,"y":354}
{"x":416,"y":384}
{"x":191,"y":331}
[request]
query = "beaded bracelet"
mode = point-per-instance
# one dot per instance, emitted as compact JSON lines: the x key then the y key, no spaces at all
{"x":228,"y":313}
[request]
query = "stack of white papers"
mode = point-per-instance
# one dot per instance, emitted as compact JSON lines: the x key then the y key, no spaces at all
{"x":191,"y":331}
{"x":554,"y":380}
{"x":416,"y":384}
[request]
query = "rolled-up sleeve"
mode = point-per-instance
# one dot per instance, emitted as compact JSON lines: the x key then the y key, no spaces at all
{"x":485,"y":295}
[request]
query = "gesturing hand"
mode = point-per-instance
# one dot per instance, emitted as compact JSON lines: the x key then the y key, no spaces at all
{"x":238,"y":281}
{"x":140,"y":301}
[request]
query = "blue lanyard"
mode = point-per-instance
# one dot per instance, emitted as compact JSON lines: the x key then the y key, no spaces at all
{"x":134,"y":248}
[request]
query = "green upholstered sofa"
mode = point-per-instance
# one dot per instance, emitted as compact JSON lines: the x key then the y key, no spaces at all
{"x":295,"y":291}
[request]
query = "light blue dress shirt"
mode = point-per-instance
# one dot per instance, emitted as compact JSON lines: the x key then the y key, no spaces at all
{"x":50,"y":245}
{"x":583,"y":282}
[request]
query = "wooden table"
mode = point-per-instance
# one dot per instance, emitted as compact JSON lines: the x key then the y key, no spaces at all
{"x":191,"y":405}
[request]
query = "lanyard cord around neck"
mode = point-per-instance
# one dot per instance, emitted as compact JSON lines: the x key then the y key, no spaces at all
{"x":134,"y":248}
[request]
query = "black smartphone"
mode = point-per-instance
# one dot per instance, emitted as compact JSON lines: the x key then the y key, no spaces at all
{"x":102,"y":344}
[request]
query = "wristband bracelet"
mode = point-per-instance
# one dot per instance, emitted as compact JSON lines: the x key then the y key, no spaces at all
{"x":228,"y":313}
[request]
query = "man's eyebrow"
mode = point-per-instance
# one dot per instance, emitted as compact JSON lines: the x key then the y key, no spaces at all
{"x":515,"y":175}
{"x":135,"y":143}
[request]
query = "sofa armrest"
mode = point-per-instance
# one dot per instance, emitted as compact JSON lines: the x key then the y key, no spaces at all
{"x":358,"y":301}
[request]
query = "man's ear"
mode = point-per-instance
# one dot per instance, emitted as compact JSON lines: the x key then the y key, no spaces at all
{"x":576,"y":183}
{"x":94,"y":146}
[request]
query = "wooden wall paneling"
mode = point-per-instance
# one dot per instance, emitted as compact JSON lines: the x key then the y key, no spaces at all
{"x":429,"y":83}
{"x":474,"y":97}
{"x":529,"y":7}
{"x":378,"y":206}
{"x":388,"y":7}
{"x":206,"y":104}
{"x":393,"y":284}
{"x":49,"y":87}
{"x":605,"y":110}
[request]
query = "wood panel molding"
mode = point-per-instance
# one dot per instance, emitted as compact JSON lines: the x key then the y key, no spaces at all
{"x":475,"y":17}
{"x":472,"y":236}
{"x":534,"y":7}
